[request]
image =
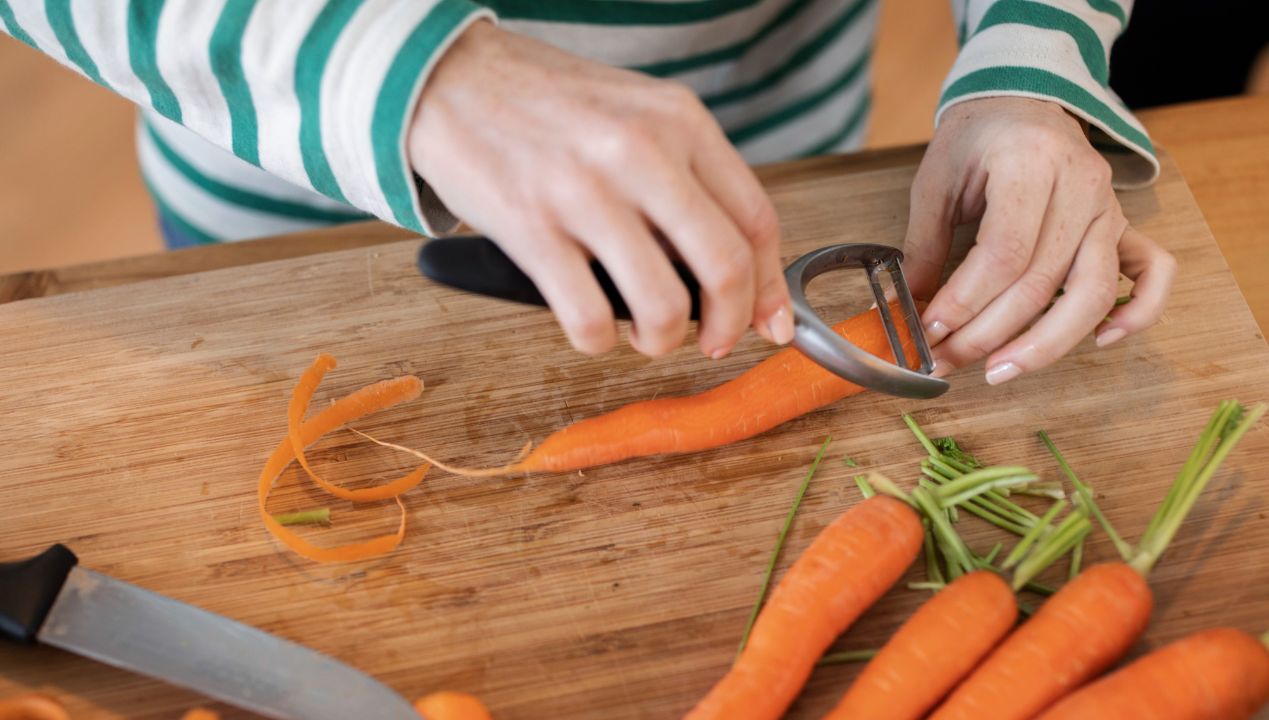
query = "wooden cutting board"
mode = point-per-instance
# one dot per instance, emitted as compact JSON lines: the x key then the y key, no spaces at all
{"x":136,"y":420}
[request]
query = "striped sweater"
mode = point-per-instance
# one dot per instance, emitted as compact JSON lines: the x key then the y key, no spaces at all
{"x":268,"y":116}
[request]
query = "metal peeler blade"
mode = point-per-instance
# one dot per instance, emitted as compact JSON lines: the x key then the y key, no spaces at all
{"x":814,"y":338}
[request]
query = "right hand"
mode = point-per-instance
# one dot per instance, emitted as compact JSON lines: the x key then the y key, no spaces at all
{"x":560,"y":159}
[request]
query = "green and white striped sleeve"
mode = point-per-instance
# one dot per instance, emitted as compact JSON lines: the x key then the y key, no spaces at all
{"x":318,"y":93}
{"x":1055,"y":50}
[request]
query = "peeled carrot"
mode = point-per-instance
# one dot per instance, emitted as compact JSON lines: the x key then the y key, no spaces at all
{"x":447,"y":705}
{"x":937,"y":647}
{"x":1216,"y":674}
{"x":32,"y":706}
{"x":363,"y":402}
{"x":199,"y":713}
{"x":776,"y":390}
{"x":848,"y":566}
{"x":1075,"y":635}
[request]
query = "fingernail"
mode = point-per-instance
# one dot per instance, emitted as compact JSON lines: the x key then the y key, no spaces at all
{"x":935,"y":331}
{"x":1002,"y":373}
{"x":1110,"y":336}
{"x":780,"y":325}
{"x":719,"y":354}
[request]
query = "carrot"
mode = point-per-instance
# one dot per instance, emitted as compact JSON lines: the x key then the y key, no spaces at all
{"x":848,"y":566}
{"x":447,"y":705}
{"x":199,"y":713}
{"x":1093,"y":620}
{"x":1075,"y":635}
{"x":937,"y":647}
{"x":1216,"y":674}
{"x":32,"y":706}
{"x":776,"y":390}
{"x":358,"y":404}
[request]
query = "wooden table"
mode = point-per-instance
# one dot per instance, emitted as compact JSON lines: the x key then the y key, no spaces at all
{"x":1221,"y":146}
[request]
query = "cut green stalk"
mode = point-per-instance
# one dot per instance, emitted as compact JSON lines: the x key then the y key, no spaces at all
{"x":936,"y":586}
{"x":319,"y":516}
{"x":864,"y":488}
{"x":1041,"y":489}
{"x":995,"y":550}
{"x":1086,"y":495}
{"x":1042,"y":527}
{"x":886,"y":486}
{"x":989,"y":510}
{"x":949,"y":543}
{"x":921,"y":436}
{"x":1077,"y":559}
{"x":932,"y":571}
{"x":950,"y":473}
{"x":976,"y":483}
{"x":1230,"y":424}
{"x":949,"y":449}
{"x":849,"y":462}
{"x":775,"y":552}
{"x":953,"y":514}
{"x":849,"y":656}
{"x":1068,"y":533}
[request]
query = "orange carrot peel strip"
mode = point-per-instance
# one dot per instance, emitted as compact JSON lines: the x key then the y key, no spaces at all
{"x":300,"y":399}
{"x":359,"y":404}
{"x":32,"y":706}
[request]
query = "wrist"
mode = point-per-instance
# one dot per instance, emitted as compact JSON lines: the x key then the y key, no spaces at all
{"x":453,"y":71}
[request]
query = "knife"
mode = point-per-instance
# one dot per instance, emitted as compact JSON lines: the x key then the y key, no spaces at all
{"x":51,"y":600}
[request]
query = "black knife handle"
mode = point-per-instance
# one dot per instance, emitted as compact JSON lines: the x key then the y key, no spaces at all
{"x":28,"y":589}
{"x":476,"y":264}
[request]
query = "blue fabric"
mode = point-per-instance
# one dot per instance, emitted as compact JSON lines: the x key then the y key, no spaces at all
{"x":173,"y":237}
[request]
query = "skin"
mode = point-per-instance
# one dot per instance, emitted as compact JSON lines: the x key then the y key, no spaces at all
{"x":560,"y":160}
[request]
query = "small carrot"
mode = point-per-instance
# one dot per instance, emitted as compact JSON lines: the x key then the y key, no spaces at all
{"x":776,"y":390}
{"x":32,"y":706}
{"x":1075,"y":635}
{"x":447,"y":705}
{"x":199,"y":713}
{"x":848,"y":566}
{"x":1215,"y":674}
{"x":937,"y":647}
{"x":1093,"y":620}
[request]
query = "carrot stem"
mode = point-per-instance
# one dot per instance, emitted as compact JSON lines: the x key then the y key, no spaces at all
{"x":865,"y":489}
{"x":849,"y":461}
{"x":775,"y":552}
{"x":995,"y":550}
{"x":921,"y":436}
{"x":319,"y":516}
{"x":1032,"y":535}
{"x":932,"y":571}
{"x":1077,"y":559}
{"x":1068,"y":533}
{"x":949,"y":473}
{"x":1042,"y":489}
{"x":848,"y":656}
{"x":951,"y":545}
{"x":926,"y":585}
{"x":1230,"y":423}
{"x":1085,"y":493}
{"x":971,"y":485}
{"x":886,"y":486}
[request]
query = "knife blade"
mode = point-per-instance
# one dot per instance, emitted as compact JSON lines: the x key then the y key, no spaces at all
{"x":51,"y":600}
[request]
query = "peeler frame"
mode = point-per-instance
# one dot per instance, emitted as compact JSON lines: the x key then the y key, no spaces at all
{"x":814,"y":338}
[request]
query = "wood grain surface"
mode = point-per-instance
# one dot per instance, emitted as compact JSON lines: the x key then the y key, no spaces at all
{"x":137,"y":418}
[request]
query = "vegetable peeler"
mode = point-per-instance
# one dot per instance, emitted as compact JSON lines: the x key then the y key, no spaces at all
{"x":476,"y":264}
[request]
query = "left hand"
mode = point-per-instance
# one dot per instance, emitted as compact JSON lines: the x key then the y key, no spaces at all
{"x":1049,"y":221}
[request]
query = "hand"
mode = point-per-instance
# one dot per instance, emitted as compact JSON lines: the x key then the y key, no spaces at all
{"x":1050,"y":220}
{"x":559,"y":159}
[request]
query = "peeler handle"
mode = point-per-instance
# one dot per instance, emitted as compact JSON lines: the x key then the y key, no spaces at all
{"x":476,"y":264}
